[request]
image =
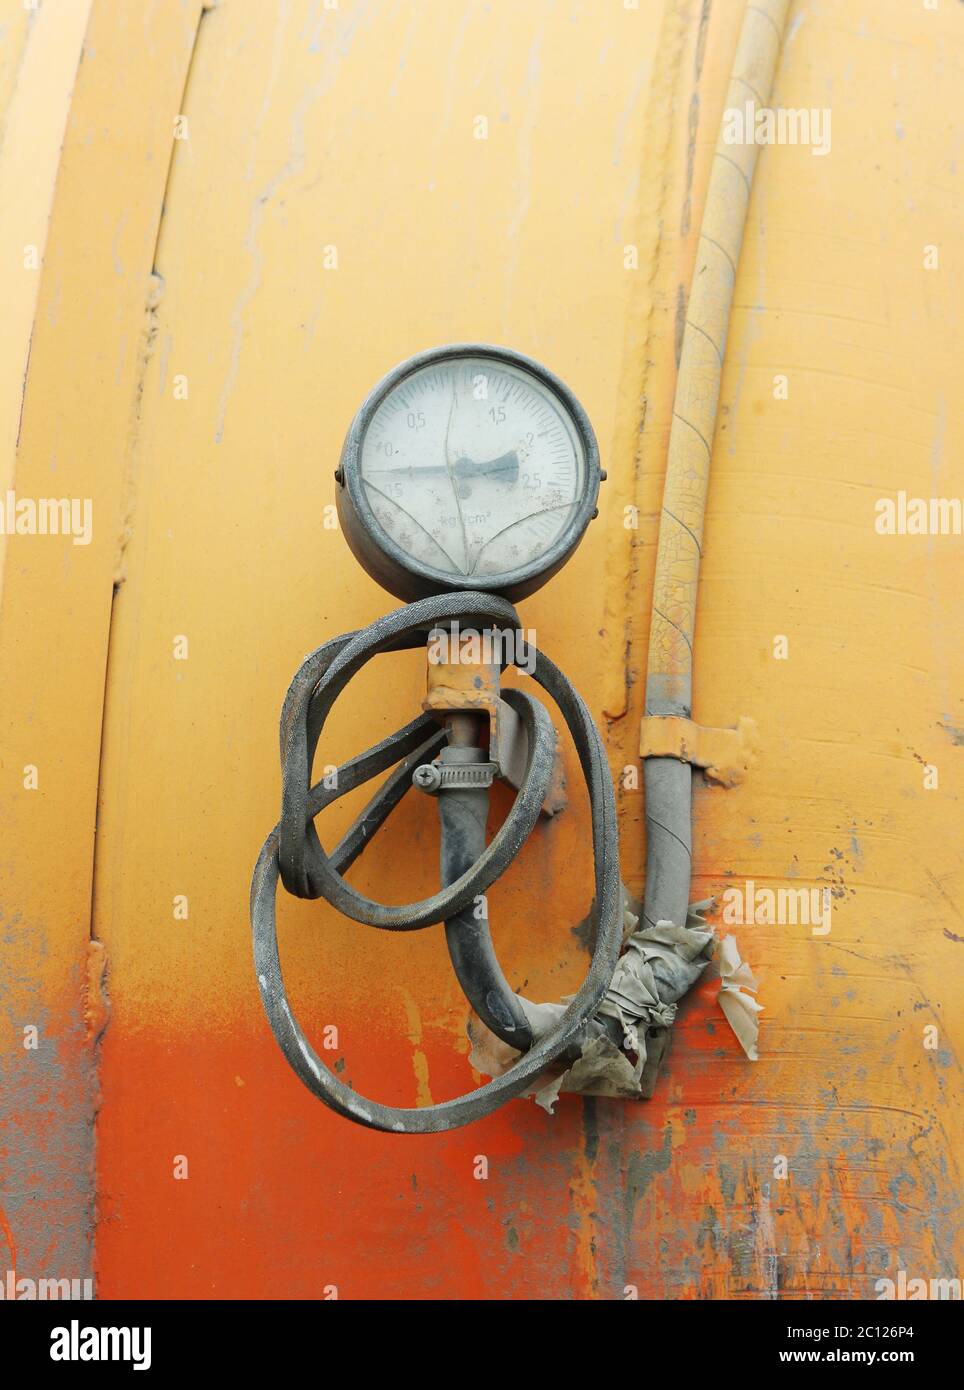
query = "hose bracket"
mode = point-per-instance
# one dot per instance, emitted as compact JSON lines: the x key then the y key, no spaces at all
{"x":725,"y":755}
{"x":469,"y":681}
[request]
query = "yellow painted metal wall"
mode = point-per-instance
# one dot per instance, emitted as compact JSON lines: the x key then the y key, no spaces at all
{"x":81,"y":202}
{"x":209,"y":314}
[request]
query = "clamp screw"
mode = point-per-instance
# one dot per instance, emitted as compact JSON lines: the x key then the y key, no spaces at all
{"x":427,"y":777}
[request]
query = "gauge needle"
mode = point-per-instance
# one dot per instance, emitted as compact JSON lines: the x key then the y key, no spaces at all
{"x":504,"y":469}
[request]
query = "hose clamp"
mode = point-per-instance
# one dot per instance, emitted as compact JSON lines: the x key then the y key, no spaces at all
{"x":434,"y":778}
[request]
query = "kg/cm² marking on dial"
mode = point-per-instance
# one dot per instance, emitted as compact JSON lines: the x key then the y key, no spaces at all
{"x":468,"y":466}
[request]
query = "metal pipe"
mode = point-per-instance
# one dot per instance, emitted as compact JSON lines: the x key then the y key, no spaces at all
{"x":463,"y":812}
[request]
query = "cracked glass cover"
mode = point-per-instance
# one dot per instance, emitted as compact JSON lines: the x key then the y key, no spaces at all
{"x":473,"y":466}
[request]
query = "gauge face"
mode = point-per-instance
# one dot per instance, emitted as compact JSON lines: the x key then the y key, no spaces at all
{"x":472,"y":467}
{"x":476,"y":466}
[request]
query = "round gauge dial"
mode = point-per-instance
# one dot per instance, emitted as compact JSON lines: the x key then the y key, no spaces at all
{"x":468,"y":467}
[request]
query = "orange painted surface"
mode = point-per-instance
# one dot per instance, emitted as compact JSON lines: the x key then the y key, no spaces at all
{"x":77,"y":244}
{"x":353,"y":129}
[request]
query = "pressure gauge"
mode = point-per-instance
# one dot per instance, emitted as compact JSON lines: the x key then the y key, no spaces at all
{"x":467,"y":467}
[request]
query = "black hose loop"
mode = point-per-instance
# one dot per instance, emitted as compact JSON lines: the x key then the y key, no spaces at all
{"x":306,"y":870}
{"x":293,"y":851}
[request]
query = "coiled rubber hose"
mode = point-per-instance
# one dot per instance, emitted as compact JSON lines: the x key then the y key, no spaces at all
{"x":294,"y":852}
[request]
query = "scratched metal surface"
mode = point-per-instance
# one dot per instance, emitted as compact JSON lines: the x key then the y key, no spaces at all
{"x":354,"y":129}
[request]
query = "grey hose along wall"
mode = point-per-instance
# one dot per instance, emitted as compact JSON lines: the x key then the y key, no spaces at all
{"x":669,"y":679}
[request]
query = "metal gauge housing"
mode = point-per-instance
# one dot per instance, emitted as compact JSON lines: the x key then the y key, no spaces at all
{"x":467,"y":467}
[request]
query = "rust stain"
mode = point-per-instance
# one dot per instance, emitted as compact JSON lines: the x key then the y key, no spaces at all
{"x":8,"y":1236}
